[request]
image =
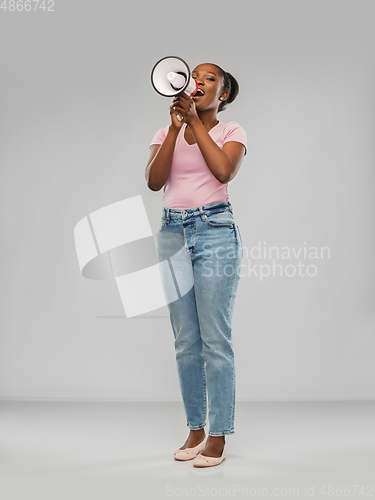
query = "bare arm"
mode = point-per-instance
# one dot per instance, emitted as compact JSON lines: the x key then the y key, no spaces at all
{"x":224,"y":162}
{"x":161,"y":155}
{"x":160,"y":161}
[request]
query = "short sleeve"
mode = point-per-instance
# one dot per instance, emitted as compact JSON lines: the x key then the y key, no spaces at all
{"x":234,"y":132}
{"x":159,"y":136}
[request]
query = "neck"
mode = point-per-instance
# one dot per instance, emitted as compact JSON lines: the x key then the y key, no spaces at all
{"x":208,"y":118}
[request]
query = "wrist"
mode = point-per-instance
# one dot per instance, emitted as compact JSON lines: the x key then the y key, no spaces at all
{"x":173,"y":130}
{"x":194,"y":122}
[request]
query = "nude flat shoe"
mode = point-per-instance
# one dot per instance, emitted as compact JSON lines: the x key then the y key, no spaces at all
{"x":189,"y":453}
{"x":203,"y":461}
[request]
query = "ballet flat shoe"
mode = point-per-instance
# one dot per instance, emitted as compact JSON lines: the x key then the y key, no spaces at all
{"x":203,"y":461}
{"x":189,"y":453}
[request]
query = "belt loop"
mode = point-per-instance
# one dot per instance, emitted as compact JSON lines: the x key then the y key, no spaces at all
{"x":167,"y":215}
{"x":202,"y":213}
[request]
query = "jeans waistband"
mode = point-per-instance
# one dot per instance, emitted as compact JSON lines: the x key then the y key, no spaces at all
{"x":181,"y":213}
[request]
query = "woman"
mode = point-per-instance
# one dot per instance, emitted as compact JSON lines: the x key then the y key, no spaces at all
{"x":194,"y":159}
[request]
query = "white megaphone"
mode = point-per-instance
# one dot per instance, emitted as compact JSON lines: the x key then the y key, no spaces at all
{"x":171,"y":76}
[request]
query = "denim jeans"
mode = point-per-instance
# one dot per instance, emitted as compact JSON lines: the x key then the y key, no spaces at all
{"x":201,"y":316}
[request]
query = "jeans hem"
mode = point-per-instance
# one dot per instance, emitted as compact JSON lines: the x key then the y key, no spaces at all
{"x":224,"y":433}
{"x":196,"y":427}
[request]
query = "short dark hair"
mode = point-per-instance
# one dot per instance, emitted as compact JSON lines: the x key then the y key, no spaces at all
{"x":230,"y":84}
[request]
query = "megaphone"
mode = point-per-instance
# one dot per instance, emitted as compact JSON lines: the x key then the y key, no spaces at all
{"x":171,"y":76}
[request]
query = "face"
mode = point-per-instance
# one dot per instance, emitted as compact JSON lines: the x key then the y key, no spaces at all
{"x":210,"y":84}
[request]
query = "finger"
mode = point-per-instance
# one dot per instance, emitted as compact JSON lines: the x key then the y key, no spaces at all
{"x":172,"y":109}
{"x":178,"y":109}
{"x":175,"y":115}
{"x":181,"y":97}
{"x":185,"y":97}
{"x":174,"y":106}
{"x":183,"y":104}
{"x":176,"y":101}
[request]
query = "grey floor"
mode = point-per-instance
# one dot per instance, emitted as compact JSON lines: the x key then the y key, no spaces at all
{"x":119,"y":450}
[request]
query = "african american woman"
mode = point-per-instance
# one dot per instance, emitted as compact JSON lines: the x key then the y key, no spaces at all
{"x":194,"y":160}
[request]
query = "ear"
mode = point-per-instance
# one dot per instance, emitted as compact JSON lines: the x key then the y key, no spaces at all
{"x":224,"y":96}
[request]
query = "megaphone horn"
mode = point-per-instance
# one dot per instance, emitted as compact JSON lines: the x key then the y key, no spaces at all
{"x":171,"y":76}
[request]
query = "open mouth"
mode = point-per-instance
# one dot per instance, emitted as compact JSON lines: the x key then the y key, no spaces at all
{"x":199,"y":93}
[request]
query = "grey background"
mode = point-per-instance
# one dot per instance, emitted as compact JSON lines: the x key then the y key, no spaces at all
{"x":77,"y":116}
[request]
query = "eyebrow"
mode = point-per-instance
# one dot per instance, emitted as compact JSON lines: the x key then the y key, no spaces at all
{"x":205,"y":72}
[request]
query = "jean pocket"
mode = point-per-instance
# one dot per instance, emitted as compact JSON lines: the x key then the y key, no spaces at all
{"x":220,"y":219}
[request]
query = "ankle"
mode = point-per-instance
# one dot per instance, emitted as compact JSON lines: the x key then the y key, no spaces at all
{"x":217,"y":439}
{"x":198,"y":432}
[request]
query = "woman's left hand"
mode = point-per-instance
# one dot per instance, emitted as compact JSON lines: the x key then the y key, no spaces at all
{"x":185,"y":107}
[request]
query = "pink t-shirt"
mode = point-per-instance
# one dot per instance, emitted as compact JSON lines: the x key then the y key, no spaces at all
{"x":191,"y":183}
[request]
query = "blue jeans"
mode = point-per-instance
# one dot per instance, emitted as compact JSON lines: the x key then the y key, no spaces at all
{"x":201,"y":316}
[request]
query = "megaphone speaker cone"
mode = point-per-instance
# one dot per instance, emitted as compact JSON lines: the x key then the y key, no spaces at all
{"x":171,"y":76}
